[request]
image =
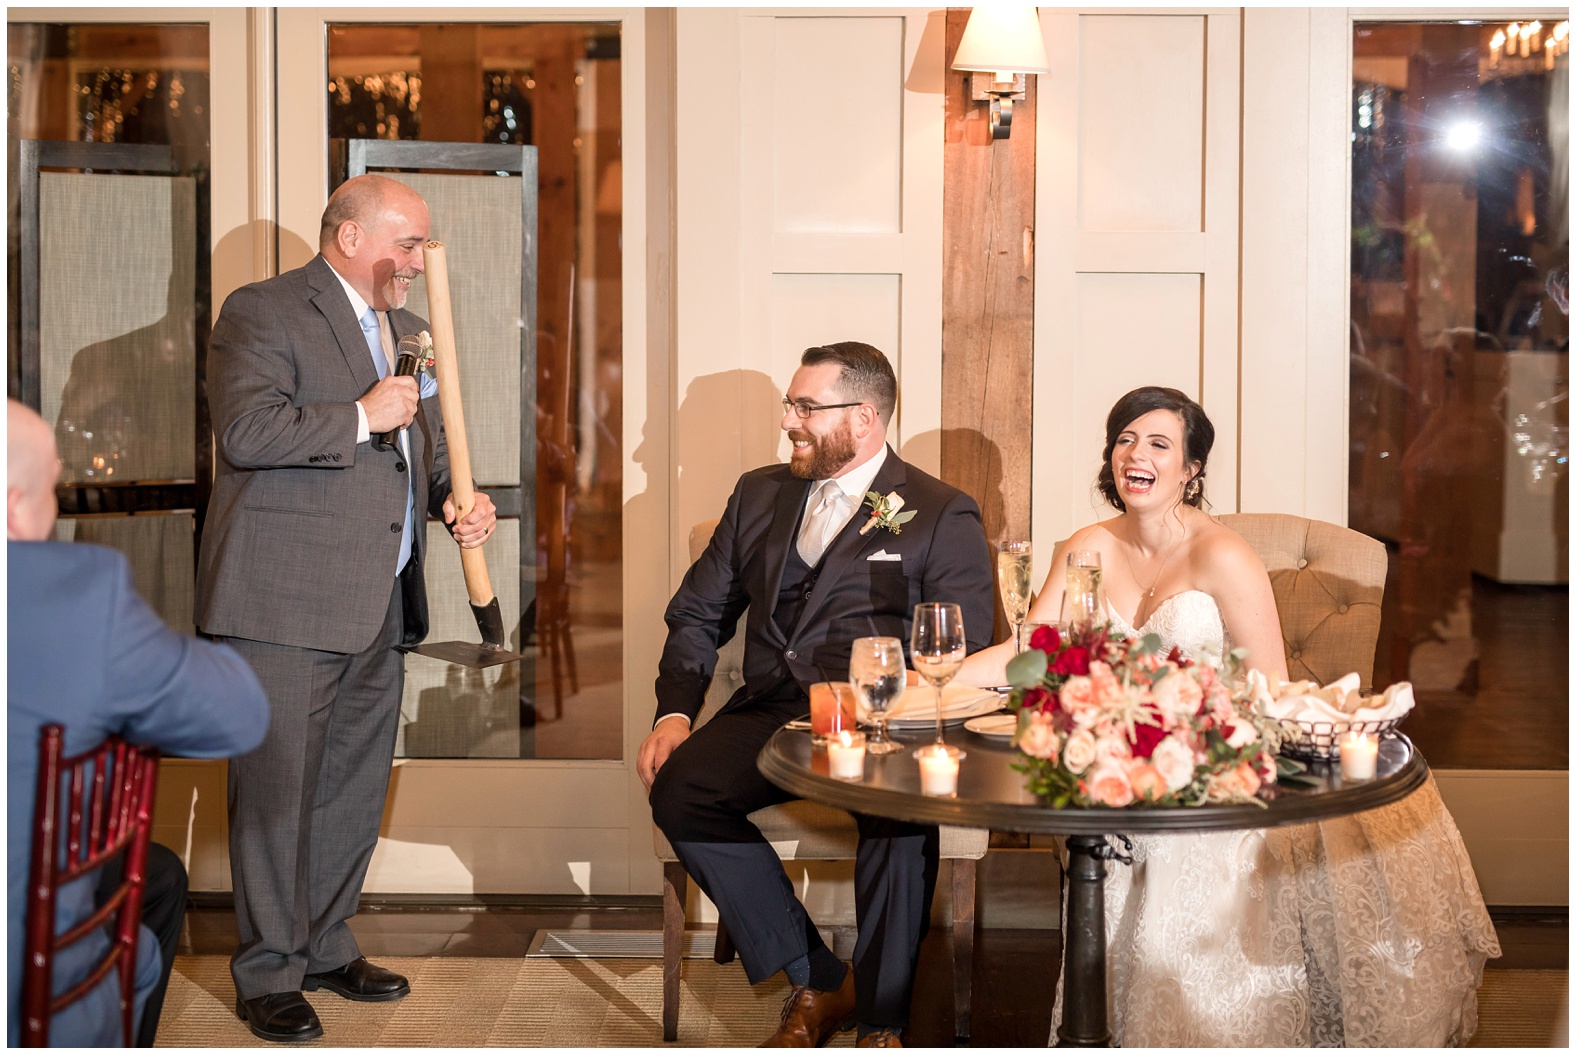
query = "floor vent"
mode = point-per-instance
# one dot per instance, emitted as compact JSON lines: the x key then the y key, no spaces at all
{"x":616,"y":944}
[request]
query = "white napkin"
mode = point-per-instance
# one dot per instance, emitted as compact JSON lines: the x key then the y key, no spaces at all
{"x":1337,"y":703}
{"x":918,"y":703}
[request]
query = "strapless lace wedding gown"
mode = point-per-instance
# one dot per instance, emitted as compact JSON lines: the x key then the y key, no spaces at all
{"x":1361,"y":931}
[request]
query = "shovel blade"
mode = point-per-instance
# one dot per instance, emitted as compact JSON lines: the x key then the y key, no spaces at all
{"x":466,"y":653}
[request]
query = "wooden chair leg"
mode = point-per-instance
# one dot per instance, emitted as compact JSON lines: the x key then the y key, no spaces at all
{"x":674,"y":882}
{"x":963,"y":877}
{"x":723,"y":951}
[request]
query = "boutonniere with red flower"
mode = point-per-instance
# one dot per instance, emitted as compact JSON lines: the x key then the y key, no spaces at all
{"x":424,"y":365}
{"x":884,"y":513}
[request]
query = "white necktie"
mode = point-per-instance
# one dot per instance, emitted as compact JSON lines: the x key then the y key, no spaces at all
{"x":822,"y":522}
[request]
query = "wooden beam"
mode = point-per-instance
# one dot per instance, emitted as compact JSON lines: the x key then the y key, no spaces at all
{"x":987,"y":324}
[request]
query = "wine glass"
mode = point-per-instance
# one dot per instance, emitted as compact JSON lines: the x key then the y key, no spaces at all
{"x":937,"y":648}
{"x":1014,"y":566}
{"x":1083,"y":603}
{"x":875,"y":669}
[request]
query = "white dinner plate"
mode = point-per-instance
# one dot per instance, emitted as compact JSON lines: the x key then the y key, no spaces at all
{"x":997,"y":726}
{"x":916,"y":708}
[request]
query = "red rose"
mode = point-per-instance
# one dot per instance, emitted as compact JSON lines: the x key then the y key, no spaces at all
{"x":1075,"y":660}
{"x":1145,"y":737}
{"x":1040,"y":699}
{"x":1046,"y":639}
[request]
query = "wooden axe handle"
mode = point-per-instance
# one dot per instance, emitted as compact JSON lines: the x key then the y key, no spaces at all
{"x":446,"y":366}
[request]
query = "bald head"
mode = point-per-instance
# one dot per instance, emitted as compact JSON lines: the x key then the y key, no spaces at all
{"x":32,"y":467}
{"x":372,"y":234}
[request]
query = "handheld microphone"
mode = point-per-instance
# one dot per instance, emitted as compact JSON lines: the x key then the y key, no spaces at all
{"x":404,"y":366}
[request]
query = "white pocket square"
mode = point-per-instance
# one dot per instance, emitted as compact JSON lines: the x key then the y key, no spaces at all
{"x":884,"y":555}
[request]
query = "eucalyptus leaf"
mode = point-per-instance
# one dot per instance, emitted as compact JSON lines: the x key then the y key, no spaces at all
{"x":904,"y":518}
{"x":1148,"y":645}
{"x":1026,"y":669}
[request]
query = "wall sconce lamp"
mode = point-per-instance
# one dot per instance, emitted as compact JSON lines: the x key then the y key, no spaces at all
{"x":1001,"y":45}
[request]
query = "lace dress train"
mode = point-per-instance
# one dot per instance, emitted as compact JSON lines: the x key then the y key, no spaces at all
{"x":1361,"y":931}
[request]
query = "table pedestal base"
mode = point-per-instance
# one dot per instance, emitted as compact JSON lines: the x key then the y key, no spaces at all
{"x":1085,"y":1011}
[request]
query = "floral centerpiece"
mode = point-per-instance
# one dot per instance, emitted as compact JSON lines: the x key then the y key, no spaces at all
{"x":1109,"y":721}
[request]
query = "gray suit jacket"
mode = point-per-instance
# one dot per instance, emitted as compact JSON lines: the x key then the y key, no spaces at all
{"x":303,"y":529}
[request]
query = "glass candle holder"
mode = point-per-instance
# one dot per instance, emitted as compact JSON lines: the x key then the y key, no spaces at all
{"x":845,"y":755}
{"x":1359,"y":756}
{"x":938,"y":769}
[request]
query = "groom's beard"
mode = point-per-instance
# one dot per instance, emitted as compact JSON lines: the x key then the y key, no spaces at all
{"x":825,"y":457}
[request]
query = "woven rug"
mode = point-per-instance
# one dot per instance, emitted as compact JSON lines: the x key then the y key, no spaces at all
{"x":476,"y":1002}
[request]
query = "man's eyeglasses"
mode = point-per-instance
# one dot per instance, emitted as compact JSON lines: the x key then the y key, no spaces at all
{"x":802,"y":410}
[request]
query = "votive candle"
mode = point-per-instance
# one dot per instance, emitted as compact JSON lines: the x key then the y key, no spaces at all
{"x":938,"y":770}
{"x":845,"y":754}
{"x":1359,"y":756}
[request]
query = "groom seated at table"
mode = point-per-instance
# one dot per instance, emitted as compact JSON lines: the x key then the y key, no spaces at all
{"x":799,"y":547}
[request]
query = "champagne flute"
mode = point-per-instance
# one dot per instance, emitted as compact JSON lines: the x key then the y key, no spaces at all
{"x":938,"y":647}
{"x":1014,"y":566}
{"x":875,"y":669}
{"x":1083,"y":603}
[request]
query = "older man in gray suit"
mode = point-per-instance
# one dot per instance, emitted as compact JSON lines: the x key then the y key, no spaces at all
{"x":311,"y":568}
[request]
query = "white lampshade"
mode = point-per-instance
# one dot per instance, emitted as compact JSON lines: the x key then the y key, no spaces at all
{"x":1001,"y":38}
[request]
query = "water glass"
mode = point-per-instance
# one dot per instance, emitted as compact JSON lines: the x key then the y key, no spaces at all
{"x":876,"y":671}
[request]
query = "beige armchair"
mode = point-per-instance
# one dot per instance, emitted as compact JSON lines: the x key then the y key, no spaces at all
{"x":805,"y":831}
{"x":1329,"y":583}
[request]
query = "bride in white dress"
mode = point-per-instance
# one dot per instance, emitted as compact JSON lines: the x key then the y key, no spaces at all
{"x":1361,"y":931}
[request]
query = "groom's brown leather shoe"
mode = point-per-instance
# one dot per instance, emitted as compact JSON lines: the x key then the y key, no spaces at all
{"x":811,"y":1016}
{"x":281,"y":1017}
{"x":360,"y":980}
{"x":880,"y":1038}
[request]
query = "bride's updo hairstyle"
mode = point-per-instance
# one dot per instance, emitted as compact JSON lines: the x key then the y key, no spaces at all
{"x":1198,"y":436}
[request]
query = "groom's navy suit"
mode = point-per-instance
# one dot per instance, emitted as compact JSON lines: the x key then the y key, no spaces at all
{"x":800,"y":625}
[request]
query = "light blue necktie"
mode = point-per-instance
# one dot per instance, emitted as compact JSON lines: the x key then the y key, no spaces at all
{"x":369,"y":329}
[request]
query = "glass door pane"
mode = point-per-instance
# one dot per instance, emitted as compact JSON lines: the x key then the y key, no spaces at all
{"x":554,"y":87}
{"x":109,"y":161}
{"x":1459,"y":376}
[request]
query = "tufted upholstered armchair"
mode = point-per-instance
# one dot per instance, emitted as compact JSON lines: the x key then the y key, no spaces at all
{"x":1328,"y":582}
{"x":805,"y":831}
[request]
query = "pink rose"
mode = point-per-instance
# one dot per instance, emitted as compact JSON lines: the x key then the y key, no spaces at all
{"x":1108,"y":690}
{"x":1108,"y":785}
{"x":1037,"y":739}
{"x":1174,"y":760}
{"x":1078,"y":751}
{"x":1146,"y":780}
{"x":1178,"y":696}
{"x":1234,"y":785}
{"x":1077,"y":696}
{"x":1112,"y":748}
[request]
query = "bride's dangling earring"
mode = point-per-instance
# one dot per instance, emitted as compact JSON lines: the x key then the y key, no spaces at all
{"x":1190,"y":492}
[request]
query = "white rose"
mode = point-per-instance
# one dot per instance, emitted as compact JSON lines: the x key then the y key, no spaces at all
{"x":1174,"y":760}
{"x":1078,"y":752}
{"x":1242,"y":734}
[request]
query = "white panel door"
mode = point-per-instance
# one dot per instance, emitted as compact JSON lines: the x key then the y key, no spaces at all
{"x":1136,"y":206}
{"x":809,"y":160}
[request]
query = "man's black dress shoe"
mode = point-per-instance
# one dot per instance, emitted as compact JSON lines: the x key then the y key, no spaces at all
{"x":360,"y":980}
{"x":280,"y":1016}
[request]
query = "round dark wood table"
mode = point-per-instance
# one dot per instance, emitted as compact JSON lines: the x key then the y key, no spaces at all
{"x":991,"y":794}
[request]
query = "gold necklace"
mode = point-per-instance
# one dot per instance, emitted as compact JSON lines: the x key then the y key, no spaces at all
{"x":1150,"y":593}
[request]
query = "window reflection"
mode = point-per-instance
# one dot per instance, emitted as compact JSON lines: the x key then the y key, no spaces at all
{"x":556,"y":87}
{"x":1459,"y":376}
